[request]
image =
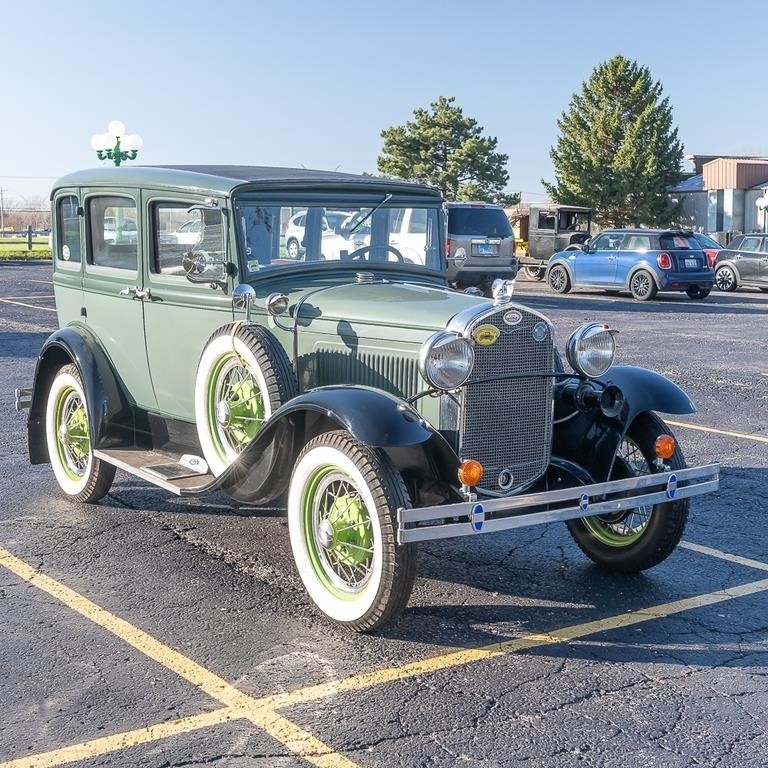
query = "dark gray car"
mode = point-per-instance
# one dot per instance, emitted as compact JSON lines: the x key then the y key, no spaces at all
{"x":743,"y":263}
{"x":480,"y":246}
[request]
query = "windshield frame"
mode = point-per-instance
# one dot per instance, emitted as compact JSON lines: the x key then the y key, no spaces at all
{"x":334,"y":200}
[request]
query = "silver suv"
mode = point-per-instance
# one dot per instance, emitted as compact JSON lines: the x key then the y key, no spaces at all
{"x":480,"y":246}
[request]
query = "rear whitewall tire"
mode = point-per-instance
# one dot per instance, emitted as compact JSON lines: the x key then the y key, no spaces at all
{"x":68,"y":438}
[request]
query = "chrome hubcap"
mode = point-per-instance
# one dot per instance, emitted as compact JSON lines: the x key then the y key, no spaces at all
{"x":325,"y":534}
{"x":223,"y":414}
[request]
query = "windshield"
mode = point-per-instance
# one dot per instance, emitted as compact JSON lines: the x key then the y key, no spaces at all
{"x":488,"y":222}
{"x":281,"y":236}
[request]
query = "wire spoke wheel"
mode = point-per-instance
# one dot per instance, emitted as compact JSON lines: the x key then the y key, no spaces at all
{"x":342,"y":518}
{"x":624,"y":528}
{"x":339,"y":531}
{"x":236,"y":405}
{"x":633,"y":540}
{"x":68,"y":439}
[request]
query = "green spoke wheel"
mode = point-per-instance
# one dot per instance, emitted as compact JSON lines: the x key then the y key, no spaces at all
{"x":243,"y":377}
{"x":633,"y":540}
{"x":68,"y":438}
{"x":342,"y":517}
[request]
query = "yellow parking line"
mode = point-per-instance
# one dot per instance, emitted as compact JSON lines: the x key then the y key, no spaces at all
{"x":724,"y":555}
{"x":22,"y":304}
{"x":758,"y":438}
{"x":118,"y":741}
{"x":255,"y":710}
{"x":261,"y":712}
{"x":471,"y":655}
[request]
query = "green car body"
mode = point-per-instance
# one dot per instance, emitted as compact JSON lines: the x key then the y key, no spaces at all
{"x":196,"y":353}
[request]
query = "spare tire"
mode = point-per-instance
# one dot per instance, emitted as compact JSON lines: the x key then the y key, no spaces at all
{"x":243,"y":377}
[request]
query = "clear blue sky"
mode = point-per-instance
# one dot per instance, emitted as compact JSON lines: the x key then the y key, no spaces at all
{"x":313,"y":83}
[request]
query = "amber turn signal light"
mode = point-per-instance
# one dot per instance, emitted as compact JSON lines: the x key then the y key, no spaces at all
{"x":665,"y":446}
{"x":470,"y":472}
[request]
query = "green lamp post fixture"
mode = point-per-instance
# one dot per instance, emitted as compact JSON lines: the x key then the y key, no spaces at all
{"x":114,"y":145}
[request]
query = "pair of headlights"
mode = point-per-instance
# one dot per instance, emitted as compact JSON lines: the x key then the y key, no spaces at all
{"x":447,"y":359}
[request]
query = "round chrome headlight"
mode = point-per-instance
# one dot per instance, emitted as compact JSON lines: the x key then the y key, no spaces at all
{"x":446,"y":360}
{"x":590,"y":349}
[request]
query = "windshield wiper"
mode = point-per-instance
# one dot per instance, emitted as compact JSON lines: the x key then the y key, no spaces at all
{"x":365,"y":218}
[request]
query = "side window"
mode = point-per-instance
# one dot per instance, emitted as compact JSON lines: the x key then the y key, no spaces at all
{"x":735,"y":244}
{"x":607,"y":242}
{"x":113,"y":232}
{"x":69,"y":245}
{"x":639,"y":243}
{"x":175,"y":231}
{"x":546,"y":220}
{"x":750,"y":244}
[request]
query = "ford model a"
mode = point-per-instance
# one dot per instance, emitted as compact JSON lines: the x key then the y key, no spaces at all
{"x":198,"y":352}
{"x":546,"y":229}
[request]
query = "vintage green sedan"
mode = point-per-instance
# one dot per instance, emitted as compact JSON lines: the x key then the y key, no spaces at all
{"x":198,"y":352}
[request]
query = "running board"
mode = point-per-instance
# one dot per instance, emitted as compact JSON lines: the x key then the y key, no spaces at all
{"x":160,"y":469}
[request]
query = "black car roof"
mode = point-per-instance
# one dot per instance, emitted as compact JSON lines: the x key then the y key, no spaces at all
{"x":223,"y":179}
{"x":645,"y":231}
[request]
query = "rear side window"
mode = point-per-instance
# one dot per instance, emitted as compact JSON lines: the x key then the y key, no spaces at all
{"x":750,"y":244}
{"x":679,"y":243}
{"x":113,"y":231}
{"x":69,"y":245}
{"x":484,"y":222}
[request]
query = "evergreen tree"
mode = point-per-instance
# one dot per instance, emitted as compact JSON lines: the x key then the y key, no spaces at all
{"x":618,"y":150}
{"x":441,"y":146}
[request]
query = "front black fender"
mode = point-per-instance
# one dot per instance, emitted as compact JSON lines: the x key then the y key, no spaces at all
{"x":109,"y":414}
{"x":375,"y":418}
{"x":590,"y":438}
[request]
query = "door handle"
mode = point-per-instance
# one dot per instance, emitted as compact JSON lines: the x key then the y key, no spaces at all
{"x":136,"y":292}
{"x":738,"y":255}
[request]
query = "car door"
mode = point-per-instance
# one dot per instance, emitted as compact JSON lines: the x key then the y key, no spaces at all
{"x":113,"y":287}
{"x":597,"y":266}
{"x":634,"y":248}
{"x":747,"y":258}
{"x":763,"y":273}
{"x":179,"y":316}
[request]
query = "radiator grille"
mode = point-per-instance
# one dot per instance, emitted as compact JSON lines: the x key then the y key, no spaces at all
{"x":507,"y":424}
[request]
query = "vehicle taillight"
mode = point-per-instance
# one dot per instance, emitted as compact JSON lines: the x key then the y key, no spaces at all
{"x":664,"y":260}
{"x":448,"y":247}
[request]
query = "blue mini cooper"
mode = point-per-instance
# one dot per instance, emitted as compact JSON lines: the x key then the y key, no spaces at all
{"x":641,"y":261}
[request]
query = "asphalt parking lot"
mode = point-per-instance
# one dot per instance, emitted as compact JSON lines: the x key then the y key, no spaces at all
{"x":156,"y":631}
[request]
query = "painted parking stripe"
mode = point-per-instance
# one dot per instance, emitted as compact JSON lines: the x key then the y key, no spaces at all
{"x":290,"y":735}
{"x":22,"y":304}
{"x":758,"y":438}
{"x":29,"y":296}
{"x":261,"y":711}
{"x":724,"y":555}
{"x":472,"y":655}
{"x":118,"y":741}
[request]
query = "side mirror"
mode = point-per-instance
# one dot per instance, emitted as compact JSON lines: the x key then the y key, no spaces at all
{"x":199,"y":267}
{"x":585,"y":247}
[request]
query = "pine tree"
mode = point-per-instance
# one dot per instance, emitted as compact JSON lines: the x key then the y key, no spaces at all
{"x":441,"y":146}
{"x":618,"y":150}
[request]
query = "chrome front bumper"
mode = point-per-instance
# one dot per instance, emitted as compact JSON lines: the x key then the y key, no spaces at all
{"x":490,"y":515}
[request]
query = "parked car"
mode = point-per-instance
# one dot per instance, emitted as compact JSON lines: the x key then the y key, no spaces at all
{"x":547,"y":229}
{"x":480,"y":246}
{"x":386,"y":408}
{"x":743,"y":263}
{"x":709,"y":245}
{"x":641,"y":261}
{"x":294,"y":232}
{"x":189,"y":232}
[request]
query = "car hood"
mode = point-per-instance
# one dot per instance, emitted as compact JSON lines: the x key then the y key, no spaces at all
{"x":381,"y":309}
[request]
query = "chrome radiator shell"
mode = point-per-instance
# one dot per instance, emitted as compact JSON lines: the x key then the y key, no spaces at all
{"x":506,"y":424}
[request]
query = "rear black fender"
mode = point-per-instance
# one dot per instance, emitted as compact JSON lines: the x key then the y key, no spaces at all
{"x":590,"y":438}
{"x":109,"y":413}
{"x":373,"y":417}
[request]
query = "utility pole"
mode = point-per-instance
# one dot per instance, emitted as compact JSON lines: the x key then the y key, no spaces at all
{"x":2,"y":213}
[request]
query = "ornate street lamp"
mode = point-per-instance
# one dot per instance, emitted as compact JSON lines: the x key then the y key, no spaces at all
{"x":114,"y":145}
